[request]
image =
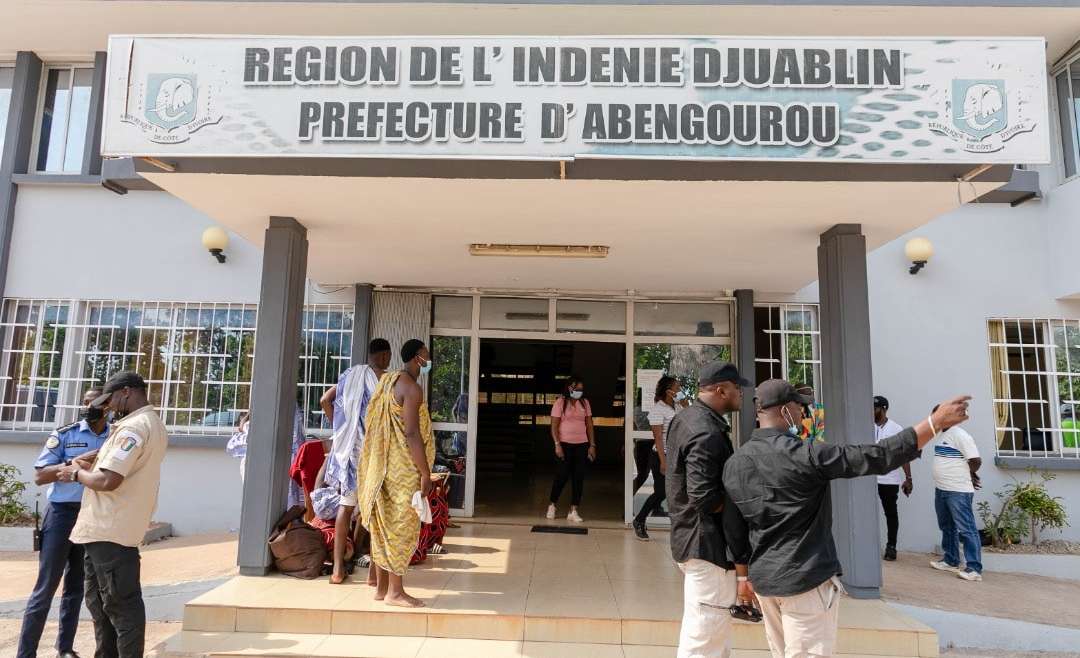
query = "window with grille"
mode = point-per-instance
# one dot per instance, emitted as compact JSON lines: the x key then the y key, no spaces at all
{"x":787,"y":343}
{"x":196,"y":358}
{"x":34,"y":334}
{"x":1035,"y":373}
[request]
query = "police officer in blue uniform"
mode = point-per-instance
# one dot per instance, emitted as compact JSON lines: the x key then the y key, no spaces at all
{"x":77,"y":440}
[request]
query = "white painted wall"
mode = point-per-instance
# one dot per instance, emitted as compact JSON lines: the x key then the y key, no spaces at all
{"x":200,"y":487}
{"x":929,"y":336}
{"x":90,"y":243}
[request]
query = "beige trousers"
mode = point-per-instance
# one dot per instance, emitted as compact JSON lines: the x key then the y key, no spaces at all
{"x":803,"y":625}
{"x":708,"y":592}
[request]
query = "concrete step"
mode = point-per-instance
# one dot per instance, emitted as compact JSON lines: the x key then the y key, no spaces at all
{"x":495,"y":608}
{"x":191,"y":644}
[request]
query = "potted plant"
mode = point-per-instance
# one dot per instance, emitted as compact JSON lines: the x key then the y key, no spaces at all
{"x":1026,"y":508}
{"x":16,"y":520}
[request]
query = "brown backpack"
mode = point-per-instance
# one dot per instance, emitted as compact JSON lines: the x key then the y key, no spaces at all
{"x":298,"y":549}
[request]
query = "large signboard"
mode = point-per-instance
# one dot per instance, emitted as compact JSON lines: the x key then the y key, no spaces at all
{"x":804,"y":99}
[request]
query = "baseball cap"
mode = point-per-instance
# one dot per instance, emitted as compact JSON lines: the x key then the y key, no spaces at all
{"x":776,"y":392}
{"x":720,"y":371}
{"x":881,"y":401}
{"x":121,"y":380}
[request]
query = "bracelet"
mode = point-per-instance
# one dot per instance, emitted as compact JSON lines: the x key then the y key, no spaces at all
{"x":742,"y":579}
{"x":930,"y":419}
{"x":75,"y":476}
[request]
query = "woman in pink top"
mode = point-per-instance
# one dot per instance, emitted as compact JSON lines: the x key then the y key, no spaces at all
{"x":575,"y":445}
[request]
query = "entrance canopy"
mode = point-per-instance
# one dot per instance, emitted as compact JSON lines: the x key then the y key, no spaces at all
{"x":701,"y":163}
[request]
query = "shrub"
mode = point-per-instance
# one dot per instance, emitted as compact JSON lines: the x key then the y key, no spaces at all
{"x":12,"y":509}
{"x":1026,"y":508}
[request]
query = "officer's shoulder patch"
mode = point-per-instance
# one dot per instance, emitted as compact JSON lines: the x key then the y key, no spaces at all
{"x":52,"y":442}
{"x":65,"y":428}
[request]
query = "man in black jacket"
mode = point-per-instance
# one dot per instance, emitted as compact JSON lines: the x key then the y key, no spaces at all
{"x":698,"y":445}
{"x":778,"y":514}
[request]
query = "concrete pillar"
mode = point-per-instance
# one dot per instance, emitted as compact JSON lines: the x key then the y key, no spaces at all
{"x":273,"y":392}
{"x":847,"y":393}
{"x":361,"y":327}
{"x":18,"y":138}
{"x":744,"y":344}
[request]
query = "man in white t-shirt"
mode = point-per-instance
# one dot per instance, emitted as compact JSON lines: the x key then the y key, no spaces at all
{"x":956,"y":460}
{"x":890,"y":484}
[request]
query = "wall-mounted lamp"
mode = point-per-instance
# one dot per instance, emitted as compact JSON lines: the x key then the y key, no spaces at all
{"x":918,"y":251}
{"x":215,"y":239}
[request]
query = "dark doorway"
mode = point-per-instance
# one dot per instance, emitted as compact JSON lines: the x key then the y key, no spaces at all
{"x":519,"y":382}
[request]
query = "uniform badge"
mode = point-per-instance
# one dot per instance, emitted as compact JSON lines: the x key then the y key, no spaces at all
{"x":53,"y":442}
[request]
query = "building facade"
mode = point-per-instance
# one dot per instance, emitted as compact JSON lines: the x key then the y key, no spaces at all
{"x":104,"y":268}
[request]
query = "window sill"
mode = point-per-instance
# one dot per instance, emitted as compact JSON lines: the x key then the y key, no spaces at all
{"x":56,"y":179}
{"x":1041,"y":463}
{"x":20,"y":437}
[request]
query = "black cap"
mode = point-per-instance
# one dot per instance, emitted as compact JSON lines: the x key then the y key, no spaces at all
{"x":121,"y":380}
{"x":880,"y":401}
{"x":776,"y":392}
{"x":720,"y":371}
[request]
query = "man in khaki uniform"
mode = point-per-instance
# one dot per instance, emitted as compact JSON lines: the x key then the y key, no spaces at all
{"x":121,"y":489}
{"x":777,"y":514}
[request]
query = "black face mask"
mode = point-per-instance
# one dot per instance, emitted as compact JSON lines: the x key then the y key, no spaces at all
{"x":92,"y":414}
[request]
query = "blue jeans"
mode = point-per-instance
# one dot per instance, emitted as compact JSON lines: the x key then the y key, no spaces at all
{"x":57,"y":555}
{"x":956,"y":518}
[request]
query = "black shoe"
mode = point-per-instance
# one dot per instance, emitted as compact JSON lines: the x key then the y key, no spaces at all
{"x":639,"y":531}
{"x":67,"y":654}
{"x":890,"y":554}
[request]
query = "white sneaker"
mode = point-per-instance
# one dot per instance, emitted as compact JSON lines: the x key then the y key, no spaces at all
{"x":550,"y":512}
{"x":970,"y":574}
{"x":941,"y":565}
{"x":574,"y":517}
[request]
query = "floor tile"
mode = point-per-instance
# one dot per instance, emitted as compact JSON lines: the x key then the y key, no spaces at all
{"x":370,"y":646}
{"x":573,"y":607}
{"x":378,"y":623}
{"x":642,"y":651}
{"x":562,"y":629}
{"x":246,"y":643}
{"x":491,"y":603}
{"x":570,"y":650}
{"x":209,"y":618}
{"x":282,"y":620}
{"x":477,"y":627}
{"x":650,"y":632}
{"x":453,"y":648}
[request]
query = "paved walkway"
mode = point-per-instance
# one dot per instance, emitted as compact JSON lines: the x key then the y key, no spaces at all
{"x":178,"y":569}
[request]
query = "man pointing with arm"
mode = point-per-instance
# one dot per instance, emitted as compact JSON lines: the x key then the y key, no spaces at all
{"x":778,"y":515}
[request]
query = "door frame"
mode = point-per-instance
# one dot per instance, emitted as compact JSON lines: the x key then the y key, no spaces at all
{"x":627,"y":338}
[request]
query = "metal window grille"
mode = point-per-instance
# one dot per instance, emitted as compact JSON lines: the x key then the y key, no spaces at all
{"x":787,"y":343}
{"x":1035,"y":375}
{"x":197,"y":359}
{"x":326,"y":353}
{"x":33,"y":336}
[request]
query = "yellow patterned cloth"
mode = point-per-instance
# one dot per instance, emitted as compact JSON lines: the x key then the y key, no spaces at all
{"x":388,"y":479}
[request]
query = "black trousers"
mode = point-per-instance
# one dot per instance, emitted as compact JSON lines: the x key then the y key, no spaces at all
{"x":652,"y":503}
{"x":58,"y":556}
{"x":889,"y":493}
{"x":114,"y":598}
{"x":571,"y":469}
{"x":642,"y":452}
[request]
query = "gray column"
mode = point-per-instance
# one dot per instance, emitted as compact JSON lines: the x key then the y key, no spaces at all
{"x":361,"y":324}
{"x":92,"y":153}
{"x":18,"y":137}
{"x":847,"y":393}
{"x":273,"y":392}
{"x":744,"y":343}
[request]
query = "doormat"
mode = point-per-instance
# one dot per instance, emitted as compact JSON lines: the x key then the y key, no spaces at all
{"x":560,"y":529}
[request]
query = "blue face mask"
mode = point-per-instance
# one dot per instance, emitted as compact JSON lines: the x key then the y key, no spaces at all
{"x":576,"y":394}
{"x":680,"y":396}
{"x":426,"y":368}
{"x":793,"y":429}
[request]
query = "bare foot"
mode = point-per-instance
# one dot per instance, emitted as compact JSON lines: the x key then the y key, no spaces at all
{"x":337,"y":579}
{"x":380,"y":593}
{"x":403,"y":600}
